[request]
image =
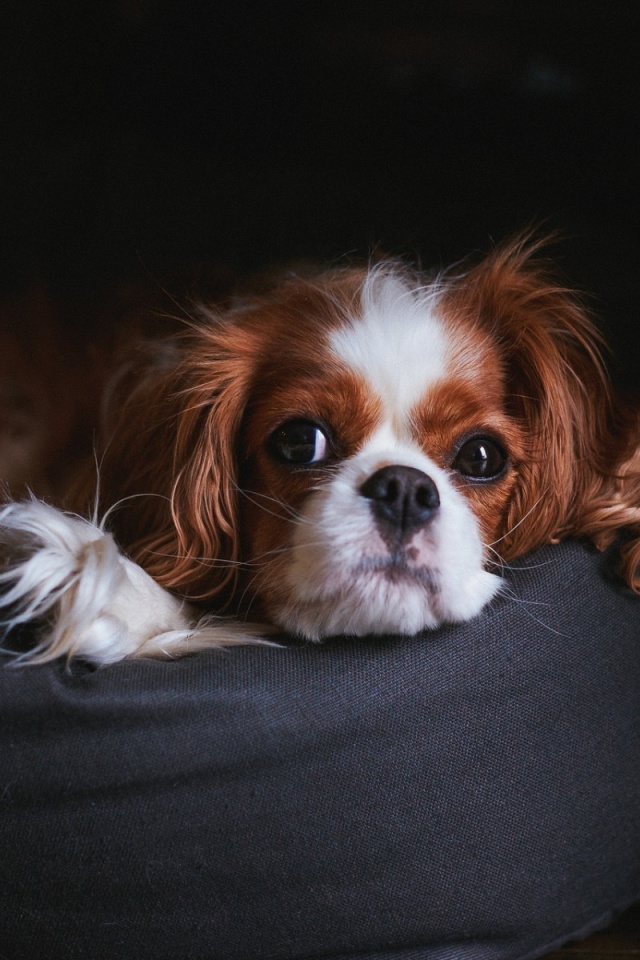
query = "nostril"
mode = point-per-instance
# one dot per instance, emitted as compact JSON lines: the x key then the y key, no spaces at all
{"x":427,"y":495}
{"x":388,"y":493}
{"x":402,"y":497}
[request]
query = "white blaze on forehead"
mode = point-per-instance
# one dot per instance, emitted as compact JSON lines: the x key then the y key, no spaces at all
{"x":397,"y":343}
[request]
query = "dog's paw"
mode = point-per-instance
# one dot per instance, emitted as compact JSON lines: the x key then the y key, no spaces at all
{"x":67,"y":576}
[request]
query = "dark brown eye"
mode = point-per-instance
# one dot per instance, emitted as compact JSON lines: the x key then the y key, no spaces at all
{"x":480,"y":458}
{"x":299,"y":442}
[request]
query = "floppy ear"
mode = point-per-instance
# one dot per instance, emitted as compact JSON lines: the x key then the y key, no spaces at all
{"x":576,"y":477}
{"x":168,"y":467}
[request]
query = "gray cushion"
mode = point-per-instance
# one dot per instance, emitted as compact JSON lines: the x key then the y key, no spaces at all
{"x":471,"y":793}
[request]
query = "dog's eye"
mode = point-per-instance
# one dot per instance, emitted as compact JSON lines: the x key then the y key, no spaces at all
{"x":299,"y":442}
{"x":480,"y":458}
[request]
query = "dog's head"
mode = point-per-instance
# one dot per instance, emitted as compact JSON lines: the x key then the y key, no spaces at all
{"x":349,"y":454}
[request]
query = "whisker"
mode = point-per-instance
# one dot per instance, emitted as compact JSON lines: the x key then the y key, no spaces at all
{"x":220,"y":562}
{"x":499,"y":560}
{"x":526,"y":604}
{"x":254,"y":496}
{"x":248,"y":587}
{"x":515,"y":568}
{"x":212,"y":562}
{"x":114,"y":506}
{"x":516,"y":525}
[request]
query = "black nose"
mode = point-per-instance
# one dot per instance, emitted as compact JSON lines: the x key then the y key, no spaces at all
{"x":401,"y":497}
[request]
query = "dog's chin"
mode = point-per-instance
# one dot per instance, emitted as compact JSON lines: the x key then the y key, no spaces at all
{"x":385,"y":597}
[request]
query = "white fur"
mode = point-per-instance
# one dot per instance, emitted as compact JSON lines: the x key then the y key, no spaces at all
{"x":96,"y":603}
{"x":396,"y":343}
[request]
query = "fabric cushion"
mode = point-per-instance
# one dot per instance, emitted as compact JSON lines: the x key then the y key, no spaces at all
{"x":469,"y":794}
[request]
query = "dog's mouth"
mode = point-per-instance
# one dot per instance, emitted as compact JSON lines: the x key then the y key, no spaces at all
{"x":397,"y":568}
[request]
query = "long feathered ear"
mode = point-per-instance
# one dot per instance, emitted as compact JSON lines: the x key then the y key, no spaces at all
{"x":577,"y":476}
{"x":168,"y":468}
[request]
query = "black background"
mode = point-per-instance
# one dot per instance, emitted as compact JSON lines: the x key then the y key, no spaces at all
{"x":141,"y":135}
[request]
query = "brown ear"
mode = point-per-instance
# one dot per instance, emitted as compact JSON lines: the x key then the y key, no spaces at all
{"x":168,"y":466}
{"x":557,"y":387}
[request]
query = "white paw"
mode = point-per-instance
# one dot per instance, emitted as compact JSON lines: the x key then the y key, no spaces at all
{"x":68,"y":575}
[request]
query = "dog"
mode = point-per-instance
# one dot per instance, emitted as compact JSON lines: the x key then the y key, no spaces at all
{"x":357,"y":452}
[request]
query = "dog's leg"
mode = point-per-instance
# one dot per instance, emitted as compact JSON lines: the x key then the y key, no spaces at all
{"x":88,"y":599}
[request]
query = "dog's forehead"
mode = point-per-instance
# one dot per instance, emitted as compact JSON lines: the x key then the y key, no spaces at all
{"x":397,"y":340}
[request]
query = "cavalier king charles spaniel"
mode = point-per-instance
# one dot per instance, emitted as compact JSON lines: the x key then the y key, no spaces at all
{"x":357,"y":453}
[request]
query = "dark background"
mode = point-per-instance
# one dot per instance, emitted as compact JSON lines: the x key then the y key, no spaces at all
{"x":141,"y":135}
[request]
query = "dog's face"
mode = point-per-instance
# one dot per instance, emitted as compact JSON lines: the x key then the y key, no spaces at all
{"x":378,"y":462}
{"x":350,"y":454}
